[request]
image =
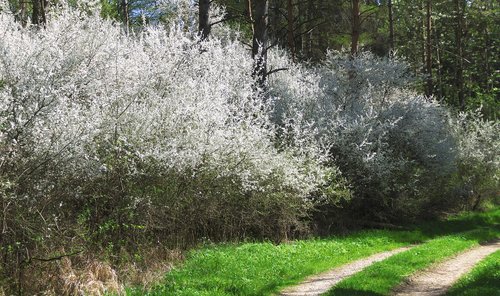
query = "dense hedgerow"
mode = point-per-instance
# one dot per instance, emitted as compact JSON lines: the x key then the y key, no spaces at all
{"x":114,"y":141}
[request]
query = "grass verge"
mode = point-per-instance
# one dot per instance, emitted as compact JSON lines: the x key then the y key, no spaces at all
{"x":265,"y":268}
{"x":484,"y":279}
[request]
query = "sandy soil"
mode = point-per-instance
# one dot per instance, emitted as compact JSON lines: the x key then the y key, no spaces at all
{"x":437,"y":279}
{"x":321,"y":283}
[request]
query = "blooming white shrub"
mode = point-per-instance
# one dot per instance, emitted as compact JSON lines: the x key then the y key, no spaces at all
{"x":158,"y":92}
{"x":114,"y":139}
{"x":393,"y":145}
{"x":478,"y":158}
{"x":109,"y":138}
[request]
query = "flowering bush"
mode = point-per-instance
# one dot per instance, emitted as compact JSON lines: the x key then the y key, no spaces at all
{"x":111,"y":138}
{"x":394,"y":146}
{"x":478,"y":159}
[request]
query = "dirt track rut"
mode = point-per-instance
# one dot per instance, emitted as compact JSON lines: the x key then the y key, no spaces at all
{"x":321,"y":283}
{"x":437,"y":279}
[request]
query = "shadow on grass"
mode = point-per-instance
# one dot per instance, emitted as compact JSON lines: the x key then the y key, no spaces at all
{"x":351,"y":292}
{"x":474,"y":226}
{"x":419,"y":232}
{"x":462,"y":223}
{"x":477,"y":289}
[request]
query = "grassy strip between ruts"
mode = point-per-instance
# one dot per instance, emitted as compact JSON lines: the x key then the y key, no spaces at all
{"x":380,"y":278}
{"x":265,"y":268}
{"x":483,"y":280}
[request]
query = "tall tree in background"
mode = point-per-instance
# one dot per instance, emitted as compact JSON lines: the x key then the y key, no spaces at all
{"x":38,"y":12}
{"x":34,"y":11}
{"x":123,"y":8}
{"x":459,"y":32}
{"x":259,"y":13}
{"x":290,"y":28}
{"x":203,"y":16}
{"x":22,"y":13}
{"x":355,"y":26}
{"x":482,"y":51}
{"x":439,"y":65}
{"x":428,"y":48}
{"x":391,"y":24}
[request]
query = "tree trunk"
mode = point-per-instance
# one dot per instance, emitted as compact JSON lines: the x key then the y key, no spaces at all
{"x":421,"y":33}
{"x":391,"y":25}
{"x":321,"y":44}
{"x":459,"y":79}
{"x":204,"y":25}
{"x":428,"y":48}
{"x":260,"y":41}
{"x":274,"y":23}
{"x":35,"y":13}
{"x":38,"y":16}
{"x":290,"y":35}
{"x":355,"y":27}
{"x":439,"y":74}
{"x":309,"y":37}
{"x":124,"y":11}
{"x":22,"y":13}
{"x":303,"y":36}
{"x":487,"y":45}
{"x":250,"y":17}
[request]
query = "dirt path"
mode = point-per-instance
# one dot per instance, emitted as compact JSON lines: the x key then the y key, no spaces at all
{"x":321,"y":283}
{"x":439,"y":278}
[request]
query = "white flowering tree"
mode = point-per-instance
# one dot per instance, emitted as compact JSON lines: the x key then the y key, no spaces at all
{"x":394,"y":146}
{"x":123,"y":137}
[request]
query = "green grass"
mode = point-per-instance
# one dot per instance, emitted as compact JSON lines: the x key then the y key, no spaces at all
{"x":484,"y":279}
{"x":265,"y":268}
{"x":380,"y":278}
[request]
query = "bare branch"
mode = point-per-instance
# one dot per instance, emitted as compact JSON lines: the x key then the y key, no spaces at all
{"x":276,"y":70}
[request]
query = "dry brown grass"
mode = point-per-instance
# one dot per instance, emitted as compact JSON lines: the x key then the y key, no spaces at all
{"x":151,"y":269}
{"x":95,"y":278}
{"x":88,"y":275}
